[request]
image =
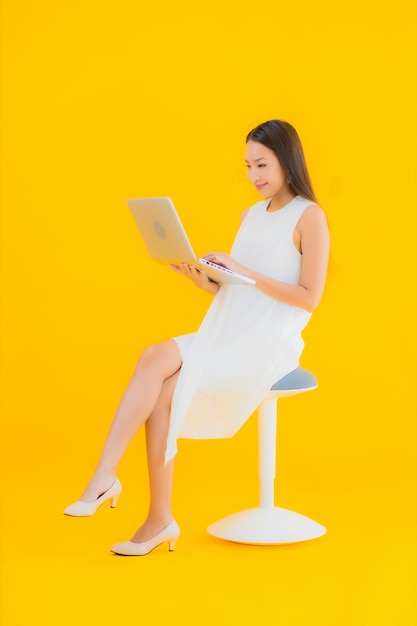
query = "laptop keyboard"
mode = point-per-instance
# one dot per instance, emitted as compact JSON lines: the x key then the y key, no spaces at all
{"x":217,"y":266}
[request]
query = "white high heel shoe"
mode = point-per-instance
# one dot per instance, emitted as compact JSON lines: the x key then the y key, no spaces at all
{"x":85,"y":509}
{"x":129,"y":548}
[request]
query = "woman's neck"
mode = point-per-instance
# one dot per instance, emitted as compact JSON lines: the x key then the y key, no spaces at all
{"x":279,"y":201}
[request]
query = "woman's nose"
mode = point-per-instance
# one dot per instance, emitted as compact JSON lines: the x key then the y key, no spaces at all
{"x":253,"y":176}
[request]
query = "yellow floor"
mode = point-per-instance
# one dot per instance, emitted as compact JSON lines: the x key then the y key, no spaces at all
{"x":59,"y":570}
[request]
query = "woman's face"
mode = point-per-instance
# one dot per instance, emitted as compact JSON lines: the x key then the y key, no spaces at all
{"x":265,"y":170}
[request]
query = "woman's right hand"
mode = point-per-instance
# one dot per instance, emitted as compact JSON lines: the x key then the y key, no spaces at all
{"x":198,"y":277}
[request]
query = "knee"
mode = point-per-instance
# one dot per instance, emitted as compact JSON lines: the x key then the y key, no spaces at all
{"x":149,"y":357}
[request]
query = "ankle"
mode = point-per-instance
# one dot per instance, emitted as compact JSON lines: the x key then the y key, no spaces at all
{"x":100,"y":483}
{"x":103,"y":476}
{"x":159,"y":520}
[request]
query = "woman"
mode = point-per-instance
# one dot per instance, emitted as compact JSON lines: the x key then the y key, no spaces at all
{"x":206,"y":384}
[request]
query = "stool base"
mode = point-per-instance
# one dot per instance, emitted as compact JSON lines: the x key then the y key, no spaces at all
{"x":266,"y":526}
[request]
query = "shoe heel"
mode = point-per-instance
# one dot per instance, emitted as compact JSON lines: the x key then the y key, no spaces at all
{"x":113,"y":501}
{"x":172,"y":543}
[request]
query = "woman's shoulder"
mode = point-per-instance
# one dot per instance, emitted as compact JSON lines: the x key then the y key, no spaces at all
{"x":313,"y":216}
{"x":244,"y":214}
{"x":310,"y":208}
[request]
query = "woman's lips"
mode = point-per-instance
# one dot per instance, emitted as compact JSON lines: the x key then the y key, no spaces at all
{"x":260,"y":187}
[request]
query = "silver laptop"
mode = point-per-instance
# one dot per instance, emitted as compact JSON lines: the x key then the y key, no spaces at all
{"x":167,"y":242}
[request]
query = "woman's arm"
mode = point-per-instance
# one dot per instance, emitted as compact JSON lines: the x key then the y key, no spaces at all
{"x":311,"y":236}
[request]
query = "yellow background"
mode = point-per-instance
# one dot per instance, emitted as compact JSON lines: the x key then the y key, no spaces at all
{"x":107,"y":100}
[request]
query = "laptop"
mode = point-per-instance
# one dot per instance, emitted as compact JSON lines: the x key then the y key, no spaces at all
{"x":167,"y":242}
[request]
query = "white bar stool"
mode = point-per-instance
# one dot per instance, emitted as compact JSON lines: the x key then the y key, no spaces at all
{"x":268,"y":524}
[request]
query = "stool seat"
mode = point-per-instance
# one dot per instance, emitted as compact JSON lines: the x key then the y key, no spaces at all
{"x":268,"y":524}
{"x":297,"y":381}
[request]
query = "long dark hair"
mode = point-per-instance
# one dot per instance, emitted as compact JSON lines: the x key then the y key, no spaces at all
{"x":283,"y":140}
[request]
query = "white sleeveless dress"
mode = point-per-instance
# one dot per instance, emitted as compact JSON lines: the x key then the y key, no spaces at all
{"x":247,"y":340}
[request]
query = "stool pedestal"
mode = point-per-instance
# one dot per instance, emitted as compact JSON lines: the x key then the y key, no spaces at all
{"x":268,"y":524}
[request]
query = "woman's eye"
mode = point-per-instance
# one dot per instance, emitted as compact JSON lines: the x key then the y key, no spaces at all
{"x":261,"y":164}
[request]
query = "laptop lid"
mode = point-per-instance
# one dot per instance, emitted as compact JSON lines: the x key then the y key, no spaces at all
{"x":161,"y":230}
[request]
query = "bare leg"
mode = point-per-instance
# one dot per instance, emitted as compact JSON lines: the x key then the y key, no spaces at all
{"x":156,"y":364}
{"x":160,"y":475}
